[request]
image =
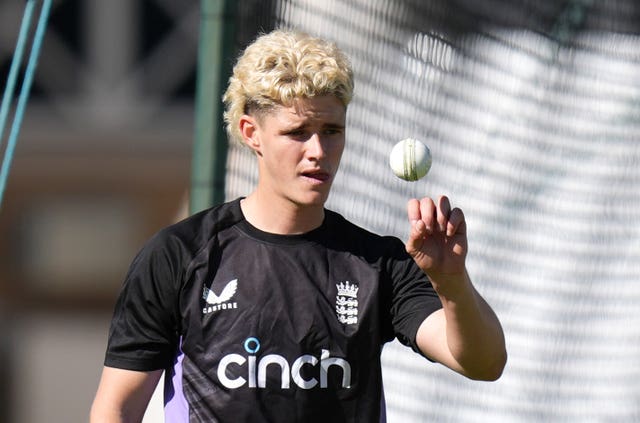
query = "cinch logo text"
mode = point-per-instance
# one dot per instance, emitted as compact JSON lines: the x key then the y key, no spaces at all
{"x":256,"y":370}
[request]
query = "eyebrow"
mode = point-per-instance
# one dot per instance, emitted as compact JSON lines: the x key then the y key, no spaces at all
{"x":303,"y":126}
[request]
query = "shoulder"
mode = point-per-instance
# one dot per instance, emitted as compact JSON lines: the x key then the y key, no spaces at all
{"x":357,"y":238}
{"x":194,"y":232}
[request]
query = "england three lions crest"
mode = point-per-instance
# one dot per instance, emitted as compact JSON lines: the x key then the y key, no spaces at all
{"x":347,"y":303}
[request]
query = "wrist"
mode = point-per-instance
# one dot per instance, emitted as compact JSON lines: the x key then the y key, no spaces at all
{"x":451,"y":286}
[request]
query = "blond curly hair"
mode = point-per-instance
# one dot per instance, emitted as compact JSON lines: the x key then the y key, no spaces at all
{"x":279,"y":67}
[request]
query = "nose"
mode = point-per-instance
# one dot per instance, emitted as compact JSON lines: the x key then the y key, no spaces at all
{"x":315,"y":147}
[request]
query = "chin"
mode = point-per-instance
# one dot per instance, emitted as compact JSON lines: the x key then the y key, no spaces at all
{"x":313,"y":200}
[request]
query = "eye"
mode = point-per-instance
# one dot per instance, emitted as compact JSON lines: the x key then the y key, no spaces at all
{"x":297,"y":134}
{"x":333,"y":131}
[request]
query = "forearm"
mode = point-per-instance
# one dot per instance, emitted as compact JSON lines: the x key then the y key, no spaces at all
{"x":474,"y":334}
{"x":123,"y":395}
{"x":103,"y":414}
{"x":469,"y":331}
{"x":105,"y":410}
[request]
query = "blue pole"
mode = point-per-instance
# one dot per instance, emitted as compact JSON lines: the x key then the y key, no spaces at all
{"x":24,"y":94}
{"x":15,"y":65}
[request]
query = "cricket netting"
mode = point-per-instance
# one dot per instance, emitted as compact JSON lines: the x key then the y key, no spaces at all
{"x":532,"y":111}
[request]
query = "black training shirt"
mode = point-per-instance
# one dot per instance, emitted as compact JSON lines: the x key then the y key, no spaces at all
{"x":257,"y":327}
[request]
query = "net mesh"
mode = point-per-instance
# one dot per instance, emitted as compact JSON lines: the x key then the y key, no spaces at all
{"x":532,"y":111}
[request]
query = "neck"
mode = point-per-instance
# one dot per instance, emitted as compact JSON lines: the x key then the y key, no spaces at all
{"x":284,"y":218}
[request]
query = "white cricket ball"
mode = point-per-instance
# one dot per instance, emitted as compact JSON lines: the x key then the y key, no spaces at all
{"x":410,"y":159}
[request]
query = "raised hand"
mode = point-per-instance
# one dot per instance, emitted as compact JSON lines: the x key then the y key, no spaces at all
{"x":438,"y":238}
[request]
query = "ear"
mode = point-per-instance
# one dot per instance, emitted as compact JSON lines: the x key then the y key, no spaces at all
{"x":250,"y":132}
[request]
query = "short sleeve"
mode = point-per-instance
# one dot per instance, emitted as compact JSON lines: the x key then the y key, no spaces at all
{"x":144,"y":329}
{"x":413,"y":298}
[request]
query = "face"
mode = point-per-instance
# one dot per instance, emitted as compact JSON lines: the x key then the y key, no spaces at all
{"x":298,"y":149}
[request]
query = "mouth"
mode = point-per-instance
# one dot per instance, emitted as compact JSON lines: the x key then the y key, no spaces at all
{"x":317,"y":176}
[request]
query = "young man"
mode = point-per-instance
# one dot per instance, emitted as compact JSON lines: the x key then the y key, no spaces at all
{"x":271,"y":308}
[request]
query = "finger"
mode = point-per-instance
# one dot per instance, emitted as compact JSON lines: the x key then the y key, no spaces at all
{"x":457,"y":223}
{"x":417,"y":227}
{"x":428,"y":213}
{"x":444,"y":210}
{"x":418,"y":230}
{"x":413,"y":211}
{"x":416,"y":237}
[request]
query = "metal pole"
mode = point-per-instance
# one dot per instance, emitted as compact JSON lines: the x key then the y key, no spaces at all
{"x":25,"y":89}
{"x":215,"y":52}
